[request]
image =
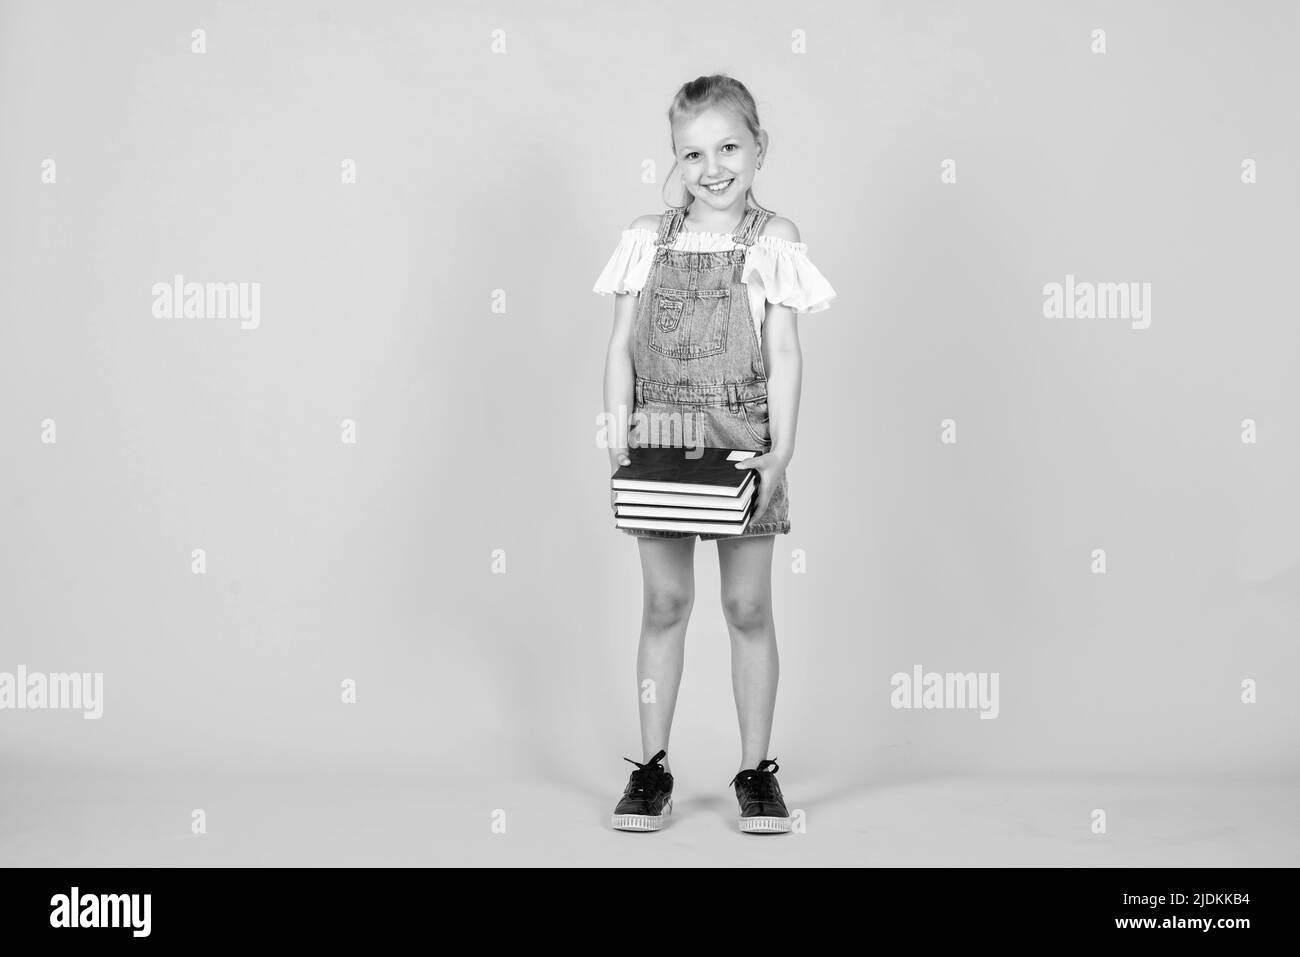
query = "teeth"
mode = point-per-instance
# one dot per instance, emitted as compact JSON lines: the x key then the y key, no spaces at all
{"x":720,"y":187}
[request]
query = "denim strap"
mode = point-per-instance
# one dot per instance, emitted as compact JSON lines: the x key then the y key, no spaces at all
{"x":751,"y":226}
{"x":669,"y":223}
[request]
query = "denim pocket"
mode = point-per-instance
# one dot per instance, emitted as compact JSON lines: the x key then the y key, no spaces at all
{"x":756,"y":419}
{"x":669,"y":306}
{"x":689,"y":324}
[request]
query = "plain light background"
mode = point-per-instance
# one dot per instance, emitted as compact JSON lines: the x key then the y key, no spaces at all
{"x":515,"y":172}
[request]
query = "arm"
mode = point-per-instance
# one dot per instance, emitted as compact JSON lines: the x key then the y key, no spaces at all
{"x":619,"y":377}
{"x":783,"y":361}
{"x":619,"y":371}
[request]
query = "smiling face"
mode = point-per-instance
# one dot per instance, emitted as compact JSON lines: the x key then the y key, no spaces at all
{"x":716,"y":148}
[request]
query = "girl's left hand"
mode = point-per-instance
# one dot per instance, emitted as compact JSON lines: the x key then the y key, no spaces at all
{"x":771,"y":466}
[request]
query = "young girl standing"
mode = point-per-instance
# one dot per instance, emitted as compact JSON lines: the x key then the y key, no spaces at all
{"x":705,"y":334}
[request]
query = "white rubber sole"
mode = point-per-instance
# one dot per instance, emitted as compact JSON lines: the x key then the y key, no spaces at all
{"x":643,"y":822}
{"x":764,"y":825}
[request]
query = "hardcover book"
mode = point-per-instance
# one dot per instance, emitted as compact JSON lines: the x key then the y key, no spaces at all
{"x":685,"y":490}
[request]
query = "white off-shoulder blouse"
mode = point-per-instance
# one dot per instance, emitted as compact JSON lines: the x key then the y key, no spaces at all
{"x":776,"y":270}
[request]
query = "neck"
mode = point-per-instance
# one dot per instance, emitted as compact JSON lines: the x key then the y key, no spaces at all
{"x":692,"y":217}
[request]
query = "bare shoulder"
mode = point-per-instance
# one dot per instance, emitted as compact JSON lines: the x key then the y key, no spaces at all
{"x":650,"y":222}
{"x":778,"y":227}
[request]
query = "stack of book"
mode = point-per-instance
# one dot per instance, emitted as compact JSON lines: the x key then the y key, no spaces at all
{"x":685,"y":490}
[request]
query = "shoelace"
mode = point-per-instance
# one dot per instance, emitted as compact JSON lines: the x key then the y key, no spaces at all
{"x":760,"y":776}
{"x":649,"y":773}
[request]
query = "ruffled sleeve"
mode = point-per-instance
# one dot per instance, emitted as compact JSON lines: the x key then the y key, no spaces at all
{"x":629,"y":266}
{"x":787,"y":275}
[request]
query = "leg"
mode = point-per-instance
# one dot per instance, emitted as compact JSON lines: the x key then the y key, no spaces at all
{"x":668,"y":573}
{"x":746,"y":571}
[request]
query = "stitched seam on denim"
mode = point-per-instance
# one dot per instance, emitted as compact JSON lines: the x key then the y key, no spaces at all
{"x":754,"y":433}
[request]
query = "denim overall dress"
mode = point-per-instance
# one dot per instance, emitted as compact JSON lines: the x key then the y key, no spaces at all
{"x":695,"y":353}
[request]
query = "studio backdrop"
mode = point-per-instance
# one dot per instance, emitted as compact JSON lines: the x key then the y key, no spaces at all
{"x":302,"y":376}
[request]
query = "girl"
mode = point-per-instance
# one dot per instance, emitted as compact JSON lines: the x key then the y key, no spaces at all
{"x":705,"y":334}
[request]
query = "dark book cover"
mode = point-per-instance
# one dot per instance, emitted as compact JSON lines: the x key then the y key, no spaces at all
{"x":703,"y":471}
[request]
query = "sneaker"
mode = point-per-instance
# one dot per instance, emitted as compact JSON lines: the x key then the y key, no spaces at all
{"x":647,"y":799}
{"x":762,"y":807}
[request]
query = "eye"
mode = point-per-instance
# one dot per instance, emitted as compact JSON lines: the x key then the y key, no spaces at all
{"x":733,"y":146}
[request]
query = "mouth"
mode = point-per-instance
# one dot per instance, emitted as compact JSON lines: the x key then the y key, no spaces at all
{"x":719,"y":188}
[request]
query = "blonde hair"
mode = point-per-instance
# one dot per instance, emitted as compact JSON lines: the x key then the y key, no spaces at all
{"x":713,"y":92}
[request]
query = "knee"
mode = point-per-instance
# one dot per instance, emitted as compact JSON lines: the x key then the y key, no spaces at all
{"x":746,"y":611}
{"x":667,"y":607}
